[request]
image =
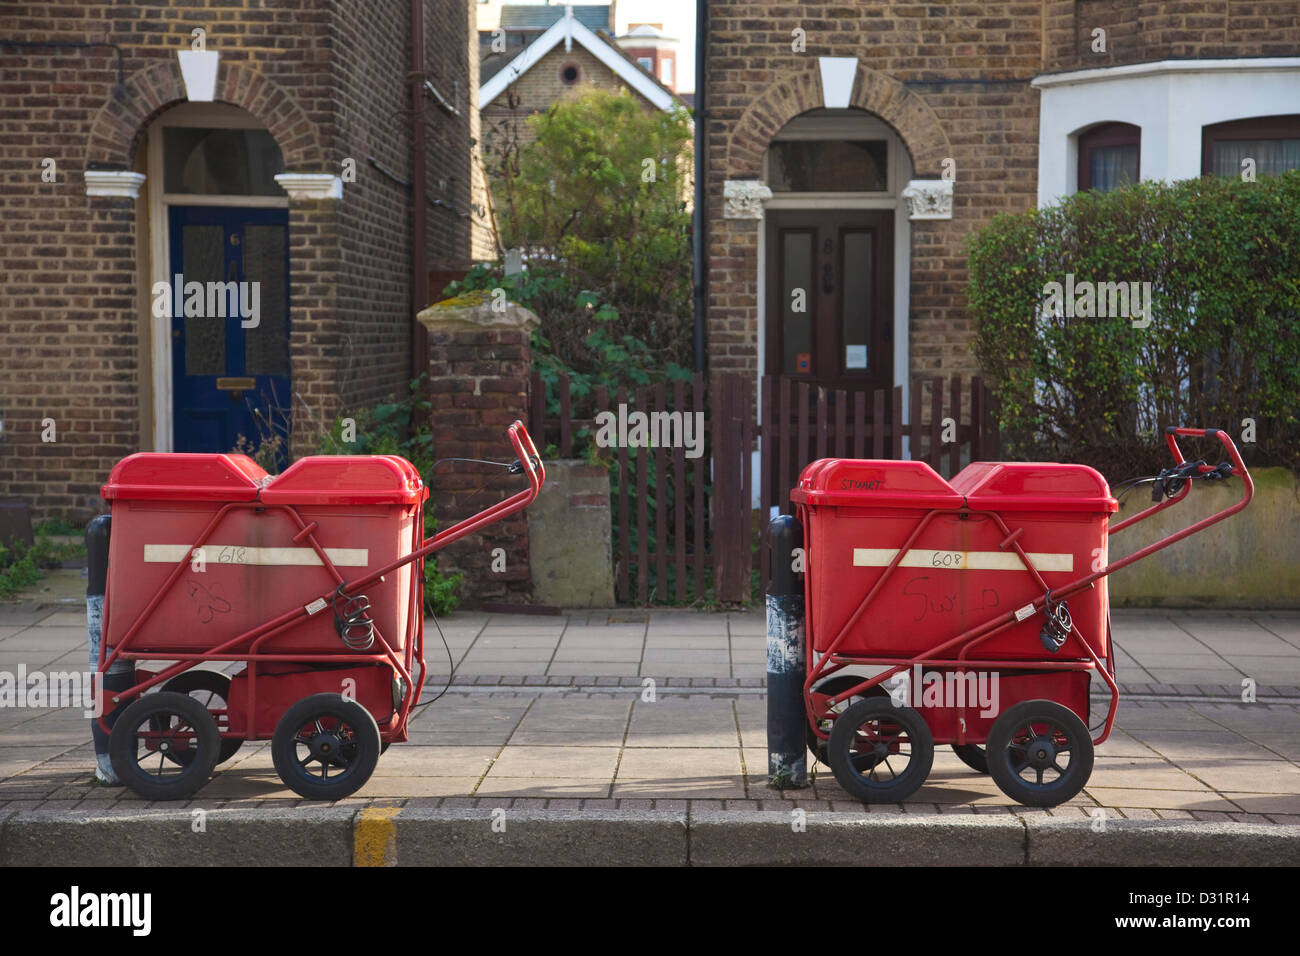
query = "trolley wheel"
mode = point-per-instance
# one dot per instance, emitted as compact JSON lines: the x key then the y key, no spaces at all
{"x":325,"y":747}
{"x":1039,"y":753}
{"x":880,"y":753}
{"x":831,"y":686}
{"x":973,"y":756}
{"x":205,"y":686}
{"x":164,"y":746}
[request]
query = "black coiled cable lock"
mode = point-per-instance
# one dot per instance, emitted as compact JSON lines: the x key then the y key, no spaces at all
{"x":1057,"y":627}
{"x":352,"y":620}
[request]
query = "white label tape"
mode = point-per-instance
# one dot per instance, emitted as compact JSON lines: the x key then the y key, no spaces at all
{"x":247,"y":554}
{"x":962,"y":560}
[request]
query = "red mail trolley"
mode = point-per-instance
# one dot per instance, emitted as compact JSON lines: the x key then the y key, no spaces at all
{"x":311,"y":579}
{"x":980,"y":604}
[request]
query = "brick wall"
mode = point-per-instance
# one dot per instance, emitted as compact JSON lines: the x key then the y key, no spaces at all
{"x":1146,"y":30}
{"x":372,"y":345}
{"x":483,"y":242}
{"x":479,"y":386}
{"x":329,"y":82}
{"x":953,"y":81}
{"x":935,"y":73}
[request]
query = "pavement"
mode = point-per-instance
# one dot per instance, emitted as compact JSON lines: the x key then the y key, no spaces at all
{"x":640,"y":736}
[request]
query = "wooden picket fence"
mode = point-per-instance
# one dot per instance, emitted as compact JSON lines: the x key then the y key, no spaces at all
{"x":685,"y":530}
{"x":659,"y":495}
{"x":802,"y":423}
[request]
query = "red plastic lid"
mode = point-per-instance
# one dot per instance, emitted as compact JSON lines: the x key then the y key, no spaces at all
{"x":161,"y":476}
{"x":346,"y":479}
{"x":1034,"y":486}
{"x":866,"y":483}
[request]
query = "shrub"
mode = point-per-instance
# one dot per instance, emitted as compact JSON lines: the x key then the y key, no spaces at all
{"x":1222,"y":345}
{"x":393,"y":427}
{"x":399,"y":427}
{"x":609,"y":354}
{"x":596,"y":202}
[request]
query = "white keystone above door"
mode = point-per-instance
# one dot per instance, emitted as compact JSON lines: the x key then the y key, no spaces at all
{"x":838,"y":73}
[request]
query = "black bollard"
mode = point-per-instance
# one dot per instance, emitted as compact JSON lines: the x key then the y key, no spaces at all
{"x":122,"y":674}
{"x":787,"y":749}
{"x":97,"y":555}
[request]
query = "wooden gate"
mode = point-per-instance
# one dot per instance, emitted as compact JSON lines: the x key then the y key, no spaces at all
{"x":688,"y":528}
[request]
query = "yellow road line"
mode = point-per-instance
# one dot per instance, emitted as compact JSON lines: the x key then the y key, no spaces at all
{"x":374,"y":837}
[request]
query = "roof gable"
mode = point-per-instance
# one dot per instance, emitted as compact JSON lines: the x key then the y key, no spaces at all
{"x":568,"y":30}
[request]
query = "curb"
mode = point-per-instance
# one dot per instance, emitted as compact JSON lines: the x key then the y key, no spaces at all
{"x":1163,"y":843}
{"x":322,"y":837}
{"x":504,"y":837}
{"x":341,"y":836}
{"x":757,"y":838}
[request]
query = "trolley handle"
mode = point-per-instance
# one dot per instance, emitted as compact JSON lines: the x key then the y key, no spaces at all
{"x":528,"y":459}
{"x":1192,"y":470}
{"x":1238,"y":466}
{"x":1234,"y":466}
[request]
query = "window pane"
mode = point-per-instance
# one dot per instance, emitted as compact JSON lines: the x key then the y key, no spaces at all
{"x":797,"y":290}
{"x":1272,"y":157}
{"x":1113,"y":166}
{"x":266,"y":345}
{"x":203,"y":249}
{"x":857,"y":300}
{"x":827,"y":165}
{"x":221,"y":162}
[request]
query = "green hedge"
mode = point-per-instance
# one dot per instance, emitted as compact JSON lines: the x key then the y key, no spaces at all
{"x":1223,"y":345}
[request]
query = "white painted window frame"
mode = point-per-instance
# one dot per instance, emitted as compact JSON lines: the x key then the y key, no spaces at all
{"x":860,"y":127}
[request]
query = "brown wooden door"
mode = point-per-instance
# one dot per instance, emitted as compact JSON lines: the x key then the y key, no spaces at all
{"x":830,"y":297}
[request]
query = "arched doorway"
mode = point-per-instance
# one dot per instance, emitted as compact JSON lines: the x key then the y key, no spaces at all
{"x":835,"y":259}
{"x":834,"y":263}
{"x":219,"y":248}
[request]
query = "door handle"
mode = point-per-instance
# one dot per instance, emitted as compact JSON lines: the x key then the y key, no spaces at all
{"x":828,"y":281}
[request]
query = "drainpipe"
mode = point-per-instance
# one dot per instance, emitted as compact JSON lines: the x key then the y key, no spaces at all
{"x":419,"y":191}
{"x":699,"y":225}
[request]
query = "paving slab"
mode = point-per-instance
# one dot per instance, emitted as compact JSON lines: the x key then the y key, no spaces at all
{"x":700,"y":747}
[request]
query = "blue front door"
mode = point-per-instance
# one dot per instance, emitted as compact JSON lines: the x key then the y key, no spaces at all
{"x":230,"y":333}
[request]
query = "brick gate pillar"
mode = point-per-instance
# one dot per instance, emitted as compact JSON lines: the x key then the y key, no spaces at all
{"x":479,"y":362}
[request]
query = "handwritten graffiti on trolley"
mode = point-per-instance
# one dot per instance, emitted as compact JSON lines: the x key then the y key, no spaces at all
{"x":929,"y":602}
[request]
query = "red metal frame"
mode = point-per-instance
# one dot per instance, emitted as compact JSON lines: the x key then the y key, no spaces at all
{"x":817,"y":706}
{"x":234,"y":650}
